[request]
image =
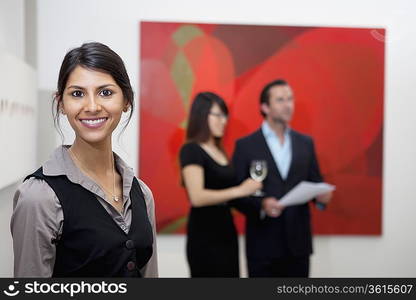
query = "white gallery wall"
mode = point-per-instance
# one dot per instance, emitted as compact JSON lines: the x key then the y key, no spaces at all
{"x":12,"y":37}
{"x":66,"y":24}
{"x":12,"y":42}
{"x":18,"y":118}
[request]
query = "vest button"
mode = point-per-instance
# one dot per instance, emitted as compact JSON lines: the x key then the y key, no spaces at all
{"x":129,"y":244}
{"x":131,"y":265}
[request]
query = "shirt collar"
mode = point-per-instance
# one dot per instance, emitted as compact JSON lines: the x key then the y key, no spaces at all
{"x":60,"y":163}
{"x":268,"y":131}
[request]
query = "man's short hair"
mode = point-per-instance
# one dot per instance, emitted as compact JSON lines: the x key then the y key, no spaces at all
{"x":265,"y":93}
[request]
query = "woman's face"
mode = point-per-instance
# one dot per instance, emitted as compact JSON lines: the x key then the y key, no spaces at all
{"x":217,"y":121}
{"x":93,"y":104}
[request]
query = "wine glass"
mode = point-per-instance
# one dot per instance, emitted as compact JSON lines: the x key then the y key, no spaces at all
{"x":258,"y":172}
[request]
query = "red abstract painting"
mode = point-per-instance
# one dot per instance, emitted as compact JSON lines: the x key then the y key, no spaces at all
{"x":337,"y":75}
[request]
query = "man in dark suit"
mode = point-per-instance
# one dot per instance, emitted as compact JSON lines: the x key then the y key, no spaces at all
{"x":278,"y":239}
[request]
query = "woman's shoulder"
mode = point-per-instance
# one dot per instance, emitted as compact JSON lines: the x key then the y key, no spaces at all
{"x":191,"y":147}
{"x":34,"y":195}
{"x":191,"y":153}
{"x":147,"y":192}
{"x":148,"y":195}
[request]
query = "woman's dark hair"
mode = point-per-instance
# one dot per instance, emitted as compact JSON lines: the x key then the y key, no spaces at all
{"x":98,"y":57}
{"x":198,"y":130}
{"x":265,"y":93}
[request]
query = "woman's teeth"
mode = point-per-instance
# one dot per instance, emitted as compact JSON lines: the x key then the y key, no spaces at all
{"x":93,"y":122}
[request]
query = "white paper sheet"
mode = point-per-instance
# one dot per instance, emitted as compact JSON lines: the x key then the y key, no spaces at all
{"x":305,"y":191}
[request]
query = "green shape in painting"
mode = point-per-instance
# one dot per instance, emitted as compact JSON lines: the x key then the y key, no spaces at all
{"x":183,"y":77}
{"x":174,"y":226}
{"x":184,"y":124}
{"x":185,"y":33}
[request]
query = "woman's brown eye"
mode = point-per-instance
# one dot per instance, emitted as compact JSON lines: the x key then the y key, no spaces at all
{"x":77,"y":94}
{"x":106,"y":93}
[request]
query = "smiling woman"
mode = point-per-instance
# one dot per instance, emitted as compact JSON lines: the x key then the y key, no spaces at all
{"x":92,"y":100}
{"x":84,"y":213}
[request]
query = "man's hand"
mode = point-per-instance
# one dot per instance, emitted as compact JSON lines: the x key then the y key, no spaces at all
{"x":324,"y":198}
{"x":272,"y":207}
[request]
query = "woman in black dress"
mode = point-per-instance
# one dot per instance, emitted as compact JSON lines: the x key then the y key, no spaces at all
{"x":212,"y":244}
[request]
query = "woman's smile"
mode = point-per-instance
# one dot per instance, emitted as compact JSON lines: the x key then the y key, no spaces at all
{"x":93,"y":123}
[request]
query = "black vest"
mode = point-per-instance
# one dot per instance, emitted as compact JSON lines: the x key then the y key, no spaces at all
{"x":92,"y":244}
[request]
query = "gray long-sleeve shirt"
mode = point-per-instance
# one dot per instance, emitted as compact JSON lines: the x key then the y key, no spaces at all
{"x":38,"y":217}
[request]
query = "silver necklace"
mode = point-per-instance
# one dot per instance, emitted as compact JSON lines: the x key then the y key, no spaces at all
{"x":114,"y":197}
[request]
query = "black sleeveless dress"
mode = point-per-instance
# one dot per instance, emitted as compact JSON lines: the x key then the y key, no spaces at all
{"x":212,"y":242}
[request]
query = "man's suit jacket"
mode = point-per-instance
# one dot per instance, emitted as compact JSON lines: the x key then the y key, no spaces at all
{"x":290,"y":233}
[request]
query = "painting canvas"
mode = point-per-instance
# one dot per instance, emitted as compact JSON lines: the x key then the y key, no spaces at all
{"x":337,"y":75}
